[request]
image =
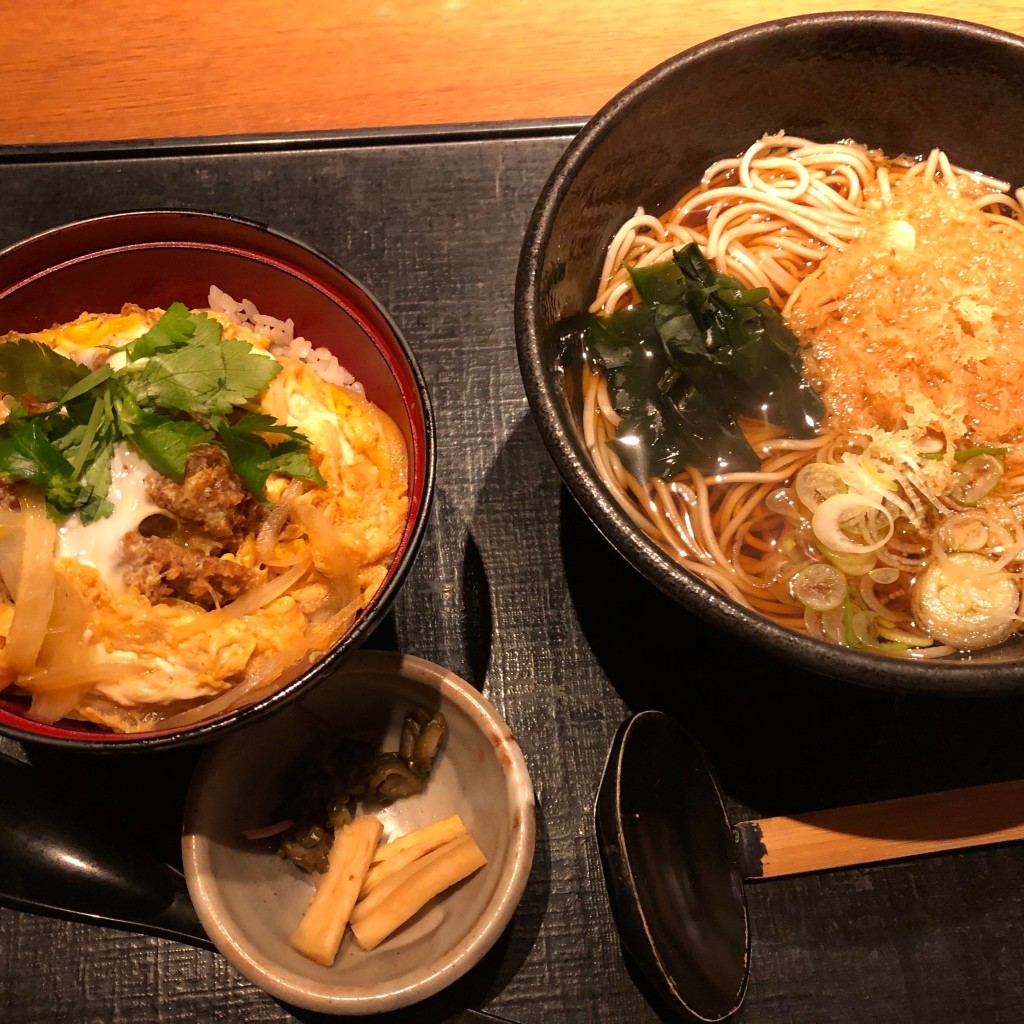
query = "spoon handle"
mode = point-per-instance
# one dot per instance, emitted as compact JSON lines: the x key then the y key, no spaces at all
{"x":890,"y":829}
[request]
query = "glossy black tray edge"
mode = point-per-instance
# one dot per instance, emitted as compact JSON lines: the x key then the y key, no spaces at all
{"x":291,"y":141}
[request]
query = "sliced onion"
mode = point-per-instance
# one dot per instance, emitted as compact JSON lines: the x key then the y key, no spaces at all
{"x":933,"y":651}
{"x":819,"y":587}
{"x":875,"y":471}
{"x":270,"y":531}
{"x":330,"y":555}
{"x":1006,"y":545}
{"x":837,"y":518}
{"x":812,"y":622}
{"x":884,"y":575}
{"x":69,"y":677}
{"x":37,"y":578}
{"x":870,"y":598}
{"x":267,"y":831}
{"x":1001,"y":545}
{"x":52,"y":705}
{"x":277,"y":670}
{"x":906,"y":562}
{"x":12,"y":535}
{"x":271,"y":528}
{"x":65,"y":645}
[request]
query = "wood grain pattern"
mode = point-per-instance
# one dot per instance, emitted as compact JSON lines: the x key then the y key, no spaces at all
{"x":890,"y":829}
{"x":117,"y":69}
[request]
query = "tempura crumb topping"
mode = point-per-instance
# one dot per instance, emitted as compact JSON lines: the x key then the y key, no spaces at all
{"x":918,"y":323}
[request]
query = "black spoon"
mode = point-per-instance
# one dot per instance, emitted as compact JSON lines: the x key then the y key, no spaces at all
{"x":53,"y":862}
{"x":675,"y":866}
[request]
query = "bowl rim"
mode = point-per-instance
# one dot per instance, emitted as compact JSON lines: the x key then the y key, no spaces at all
{"x":444,"y":969}
{"x":424,"y":450}
{"x":545,"y":397}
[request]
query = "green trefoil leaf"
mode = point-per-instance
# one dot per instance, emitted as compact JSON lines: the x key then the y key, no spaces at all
{"x":177,"y":378}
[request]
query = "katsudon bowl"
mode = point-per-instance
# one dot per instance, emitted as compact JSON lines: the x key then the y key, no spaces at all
{"x":898,"y":83}
{"x":189,"y":594}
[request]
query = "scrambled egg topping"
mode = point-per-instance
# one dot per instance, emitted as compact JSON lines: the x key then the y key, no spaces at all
{"x":153,"y":660}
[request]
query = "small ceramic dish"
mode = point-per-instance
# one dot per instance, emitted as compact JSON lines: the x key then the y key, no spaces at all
{"x":249,"y":900}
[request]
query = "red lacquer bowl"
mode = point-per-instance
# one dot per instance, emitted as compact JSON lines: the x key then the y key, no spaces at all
{"x":153,"y":258}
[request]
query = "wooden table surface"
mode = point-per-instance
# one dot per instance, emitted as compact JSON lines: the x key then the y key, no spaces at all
{"x":117,"y":69}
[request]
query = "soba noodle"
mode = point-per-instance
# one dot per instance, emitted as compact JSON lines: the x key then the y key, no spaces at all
{"x":927,"y":560}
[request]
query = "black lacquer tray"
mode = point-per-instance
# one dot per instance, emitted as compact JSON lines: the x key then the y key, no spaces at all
{"x":515,"y":590}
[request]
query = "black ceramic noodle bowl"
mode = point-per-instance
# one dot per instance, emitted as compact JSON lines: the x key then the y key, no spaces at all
{"x":899,"y":82}
{"x":153,"y":258}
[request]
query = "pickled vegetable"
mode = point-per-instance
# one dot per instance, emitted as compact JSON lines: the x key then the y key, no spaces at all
{"x":324,"y":793}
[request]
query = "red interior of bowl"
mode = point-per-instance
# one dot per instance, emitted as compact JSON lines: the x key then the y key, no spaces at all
{"x":154,"y":258}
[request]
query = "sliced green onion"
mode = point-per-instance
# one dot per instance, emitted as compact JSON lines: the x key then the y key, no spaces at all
{"x":970,"y":453}
{"x":852,"y":565}
{"x":817,"y":483}
{"x":884,"y":575}
{"x":819,"y":587}
{"x":891,"y":647}
{"x":782,"y":502}
{"x":976,"y":478}
{"x":902,"y":638}
{"x":752,"y":296}
{"x":849,"y":637}
{"x":964,"y":532}
{"x":862,"y":625}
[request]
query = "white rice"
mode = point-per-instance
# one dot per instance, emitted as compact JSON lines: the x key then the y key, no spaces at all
{"x":281,"y":337}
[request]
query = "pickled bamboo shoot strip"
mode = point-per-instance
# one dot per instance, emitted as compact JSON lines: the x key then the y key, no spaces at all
{"x":426,"y":878}
{"x":323,"y":924}
{"x":393,"y":856}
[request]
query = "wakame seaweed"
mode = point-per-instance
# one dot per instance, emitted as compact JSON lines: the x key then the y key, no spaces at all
{"x":696,"y":352}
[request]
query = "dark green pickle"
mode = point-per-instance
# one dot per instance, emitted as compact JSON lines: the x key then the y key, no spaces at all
{"x":324,"y":794}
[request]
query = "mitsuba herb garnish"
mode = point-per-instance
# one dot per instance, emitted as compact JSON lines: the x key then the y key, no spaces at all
{"x":182,"y":384}
{"x":696,"y":352}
